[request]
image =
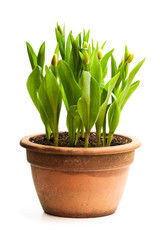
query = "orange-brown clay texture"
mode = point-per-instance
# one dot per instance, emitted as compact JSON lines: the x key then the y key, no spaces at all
{"x":82,"y":194}
{"x":79,"y":182}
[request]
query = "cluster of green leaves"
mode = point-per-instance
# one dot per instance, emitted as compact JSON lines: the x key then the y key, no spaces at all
{"x":78,"y":77}
{"x":45,"y":91}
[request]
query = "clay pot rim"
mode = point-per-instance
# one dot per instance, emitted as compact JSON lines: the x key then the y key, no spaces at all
{"x":134,"y":144}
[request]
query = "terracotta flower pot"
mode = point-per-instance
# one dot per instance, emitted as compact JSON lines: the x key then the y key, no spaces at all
{"x":80,"y":182}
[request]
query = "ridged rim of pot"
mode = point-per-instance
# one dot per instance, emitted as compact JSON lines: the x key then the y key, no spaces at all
{"x":134,"y":144}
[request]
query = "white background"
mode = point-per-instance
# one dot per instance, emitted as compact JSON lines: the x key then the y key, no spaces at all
{"x":135,"y":23}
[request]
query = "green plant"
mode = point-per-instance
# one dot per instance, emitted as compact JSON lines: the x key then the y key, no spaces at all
{"x":79,"y":79}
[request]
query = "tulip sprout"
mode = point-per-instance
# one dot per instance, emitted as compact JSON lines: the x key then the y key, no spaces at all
{"x":77,"y":75}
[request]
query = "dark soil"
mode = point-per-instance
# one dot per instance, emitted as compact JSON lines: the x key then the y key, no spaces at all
{"x":64,"y":140}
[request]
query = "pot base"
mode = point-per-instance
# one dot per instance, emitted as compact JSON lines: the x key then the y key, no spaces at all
{"x":74,"y":215}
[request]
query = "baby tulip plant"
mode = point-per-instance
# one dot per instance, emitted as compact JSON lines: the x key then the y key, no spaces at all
{"x":77,"y":75}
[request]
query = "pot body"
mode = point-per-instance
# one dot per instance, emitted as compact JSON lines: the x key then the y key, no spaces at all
{"x":79,"y":185}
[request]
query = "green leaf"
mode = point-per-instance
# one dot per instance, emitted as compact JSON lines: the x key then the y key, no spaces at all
{"x":93,"y":47}
{"x":88,"y":104}
{"x":84,"y":102}
{"x":129,"y":80}
{"x":85,"y":85}
{"x":68,"y":47}
{"x":54,"y":61}
{"x":103,"y":95}
{"x":45,"y":121}
{"x":72,"y":38}
{"x":113,"y":117}
{"x":104,"y":62}
{"x":50,"y":98}
{"x":41,"y":56}
{"x":32,"y":55}
{"x":103,"y":108}
{"x":52,"y":90}
{"x":73,"y":121}
{"x":78,"y":41}
{"x":94,"y":102}
{"x":121,"y":69}
{"x":75,"y":60}
{"x":126,"y":52}
{"x":108,"y":88}
{"x":64,"y":30}
{"x":81,"y":56}
{"x":134,"y":72}
{"x":113,"y":120}
{"x":131,"y":90}
{"x":57,"y":50}
{"x":64,"y":97}
{"x":61,"y":41}
{"x":45,"y":103}
{"x":103,"y":45}
{"x":55,"y":98}
{"x":33,"y":85}
{"x":86,"y":36}
{"x":89,"y":50}
{"x":70,"y":86}
{"x":111,"y":83}
{"x":96,"y":69}
{"x":97,"y":47}
{"x":113,"y":66}
{"x":59,"y":105}
{"x":83,"y":111}
{"x":126,"y":69}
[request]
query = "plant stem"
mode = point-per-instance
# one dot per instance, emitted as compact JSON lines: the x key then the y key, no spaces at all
{"x":47,"y":134}
{"x":72,"y":142}
{"x":72,"y":135}
{"x":56,"y":135}
{"x":104,"y":132}
{"x":109,"y":139}
{"x":77,"y":136}
{"x":56,"y":140}
{"x":104,"y":139}
{"x":86,"y":139}
{"x":82,"y":131}
{"x":98,"y":138}
{"x":55,"y":132}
